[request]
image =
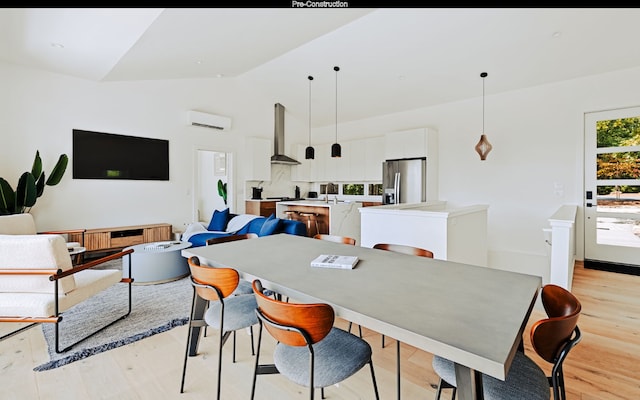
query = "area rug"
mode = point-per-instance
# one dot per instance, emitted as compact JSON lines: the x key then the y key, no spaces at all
{"x":155,"y":309}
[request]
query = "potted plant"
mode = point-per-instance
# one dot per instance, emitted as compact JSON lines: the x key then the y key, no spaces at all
{"x":222,"y":190}
{"x":30,"y":186}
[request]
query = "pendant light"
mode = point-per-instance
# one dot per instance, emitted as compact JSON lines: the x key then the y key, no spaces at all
{"x":336,"y":150}
{"x":483,"y":147}
{"x":309,"y":152}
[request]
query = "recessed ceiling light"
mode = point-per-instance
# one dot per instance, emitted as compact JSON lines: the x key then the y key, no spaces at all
{"x":556,"y":34}
{"x":199,"y":62}
{"x":57,"y":45}
{"x":220,"y":76}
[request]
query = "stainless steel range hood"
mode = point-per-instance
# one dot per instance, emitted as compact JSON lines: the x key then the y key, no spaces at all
{"x":278,"y":141}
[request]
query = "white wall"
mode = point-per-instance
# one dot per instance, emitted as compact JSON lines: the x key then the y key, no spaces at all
{"x":537,"y":137}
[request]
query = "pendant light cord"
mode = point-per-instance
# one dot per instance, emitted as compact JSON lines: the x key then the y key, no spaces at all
{"x":336,"y":69}
{"x":310,"y":79}
{"x":483,"y":75}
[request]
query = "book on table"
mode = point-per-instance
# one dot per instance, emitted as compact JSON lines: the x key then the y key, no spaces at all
{"x":334,"y":261}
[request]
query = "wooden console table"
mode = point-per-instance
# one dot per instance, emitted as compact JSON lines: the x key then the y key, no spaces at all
{"x":108,"y":239}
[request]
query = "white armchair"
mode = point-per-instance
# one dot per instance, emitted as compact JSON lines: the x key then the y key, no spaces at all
{"x":38,"y":281}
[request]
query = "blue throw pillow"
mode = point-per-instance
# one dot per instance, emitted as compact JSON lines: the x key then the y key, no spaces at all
{"x":219,"y":220}
{"x":270,"y":226}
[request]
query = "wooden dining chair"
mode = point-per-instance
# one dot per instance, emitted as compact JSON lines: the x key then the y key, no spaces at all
{"x":552,"y":339}
{"x":226,"y":312}
{"x":310,"y":351}
{"x":335,"y":238}
{"x":404,"y":249}
{"x":412,"y":251}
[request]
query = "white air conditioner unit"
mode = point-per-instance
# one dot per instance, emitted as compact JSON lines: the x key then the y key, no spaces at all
{"x":197,"y":118}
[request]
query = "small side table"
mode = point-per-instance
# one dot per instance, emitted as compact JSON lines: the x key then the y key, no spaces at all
{"x":76,"y":254}
{"x":156,"y":262}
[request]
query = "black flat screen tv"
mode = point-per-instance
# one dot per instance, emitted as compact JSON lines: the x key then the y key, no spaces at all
{"x":98,"y":155}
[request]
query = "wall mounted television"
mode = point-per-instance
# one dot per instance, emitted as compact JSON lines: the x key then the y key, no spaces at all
{"x":98,"y":155}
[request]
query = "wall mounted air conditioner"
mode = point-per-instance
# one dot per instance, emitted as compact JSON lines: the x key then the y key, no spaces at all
{"x":197,"y":118}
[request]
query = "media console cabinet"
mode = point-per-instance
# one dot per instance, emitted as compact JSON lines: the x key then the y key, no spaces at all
{"x":111,"y":239}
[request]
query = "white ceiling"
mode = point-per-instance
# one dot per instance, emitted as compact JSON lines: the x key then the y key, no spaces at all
{"x":390,"y":59}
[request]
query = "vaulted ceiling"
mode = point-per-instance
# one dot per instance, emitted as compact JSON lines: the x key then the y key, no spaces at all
{"x":390,"y":59}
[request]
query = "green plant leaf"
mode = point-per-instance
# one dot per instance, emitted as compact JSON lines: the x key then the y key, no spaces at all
{"x":58,"y":170}
{"x":40,"y":185}
{"x":7,"y":198}
{"x":36,"y":169}
{"x":26,"y":192}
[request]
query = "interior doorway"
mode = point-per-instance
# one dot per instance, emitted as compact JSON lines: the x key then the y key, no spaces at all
{"x":612,"y":190}
{"x":213,"y":175}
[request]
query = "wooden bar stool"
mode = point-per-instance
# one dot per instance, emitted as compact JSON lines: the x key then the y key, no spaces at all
{"x":311,"y":219}
{"x":290,"y":213}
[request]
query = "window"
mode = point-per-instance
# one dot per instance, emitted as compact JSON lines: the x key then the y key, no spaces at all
{"x":353,"y":189}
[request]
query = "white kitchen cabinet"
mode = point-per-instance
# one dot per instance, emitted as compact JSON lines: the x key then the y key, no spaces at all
{"x":452,"y":232}
{"x":258,"y":162}
{"x":408,"y":144}
{"x":356,"y":159}
{"x":374,"y":156}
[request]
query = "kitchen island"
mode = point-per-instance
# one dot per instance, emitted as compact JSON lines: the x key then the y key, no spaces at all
{"x":452,"y":232}
{"x":341,"y":218}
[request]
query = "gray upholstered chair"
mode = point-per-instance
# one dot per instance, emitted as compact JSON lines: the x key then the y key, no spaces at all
{"x":552,"y":338}
{"x":525,"y":380}
{"x":310,"y":350}
{"x":226,"y":312}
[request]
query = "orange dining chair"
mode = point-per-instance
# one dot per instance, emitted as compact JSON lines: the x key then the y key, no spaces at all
{"x":226,"y":312}
{"x":413,"y":251}
{"x":404,"y":249}
{"x":310,"y":351}
{"x":335,"y":238}
{"x":552,"y":339}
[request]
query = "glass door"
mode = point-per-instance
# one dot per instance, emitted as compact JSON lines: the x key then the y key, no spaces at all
{"x":612,"y":189}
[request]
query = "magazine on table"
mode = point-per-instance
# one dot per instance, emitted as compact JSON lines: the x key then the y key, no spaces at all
{"x":334,"y":261}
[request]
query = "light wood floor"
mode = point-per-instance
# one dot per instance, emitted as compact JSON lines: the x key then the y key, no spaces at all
{"x":605,"y":365}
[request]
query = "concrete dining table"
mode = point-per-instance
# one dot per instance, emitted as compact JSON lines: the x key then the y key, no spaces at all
{"x":472,"y":315}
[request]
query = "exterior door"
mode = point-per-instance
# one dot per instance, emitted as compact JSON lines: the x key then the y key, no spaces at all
{"x":612,"y":190}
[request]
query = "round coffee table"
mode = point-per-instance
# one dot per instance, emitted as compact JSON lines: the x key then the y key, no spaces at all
{"x":156,"y":262}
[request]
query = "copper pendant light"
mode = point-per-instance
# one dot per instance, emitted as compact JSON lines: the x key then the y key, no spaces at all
{"x":336,"y":150}
{"x":483,"y":147}
{"x":309,"y":152}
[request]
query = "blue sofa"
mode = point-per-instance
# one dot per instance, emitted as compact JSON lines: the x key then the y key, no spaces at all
{"x":224,"y":223}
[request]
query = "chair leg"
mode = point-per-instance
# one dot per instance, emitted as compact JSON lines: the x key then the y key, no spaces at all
{"x":234,"y":347}
{"x":186,"y":356}
{"x":373,"y":379}
{"x":383,"y":341}
{"x":257,"y":364}
{"x":398,"y":366}
{"x":445,"y":385}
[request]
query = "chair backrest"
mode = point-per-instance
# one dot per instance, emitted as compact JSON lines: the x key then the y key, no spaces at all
{"x":17,"y":224}
{"x":231,"y":238}
{"x":550,"y":335}
{"x":225,"y":280}
{"x":404,"y":249}
{"x":335,"y":238}
{"x":316,"y":319}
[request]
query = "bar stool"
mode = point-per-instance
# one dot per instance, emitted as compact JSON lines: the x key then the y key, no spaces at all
{"x":311,"y":218}
{"x":290,"y":213}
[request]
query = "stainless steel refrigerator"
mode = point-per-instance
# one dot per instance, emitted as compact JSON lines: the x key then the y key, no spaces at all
{"x":404,"y":180}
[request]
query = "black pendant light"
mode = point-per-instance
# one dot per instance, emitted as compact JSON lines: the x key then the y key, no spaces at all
{"x":336,"y":150}
{"x":309,"y":152}
{"x":483,"y":147}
